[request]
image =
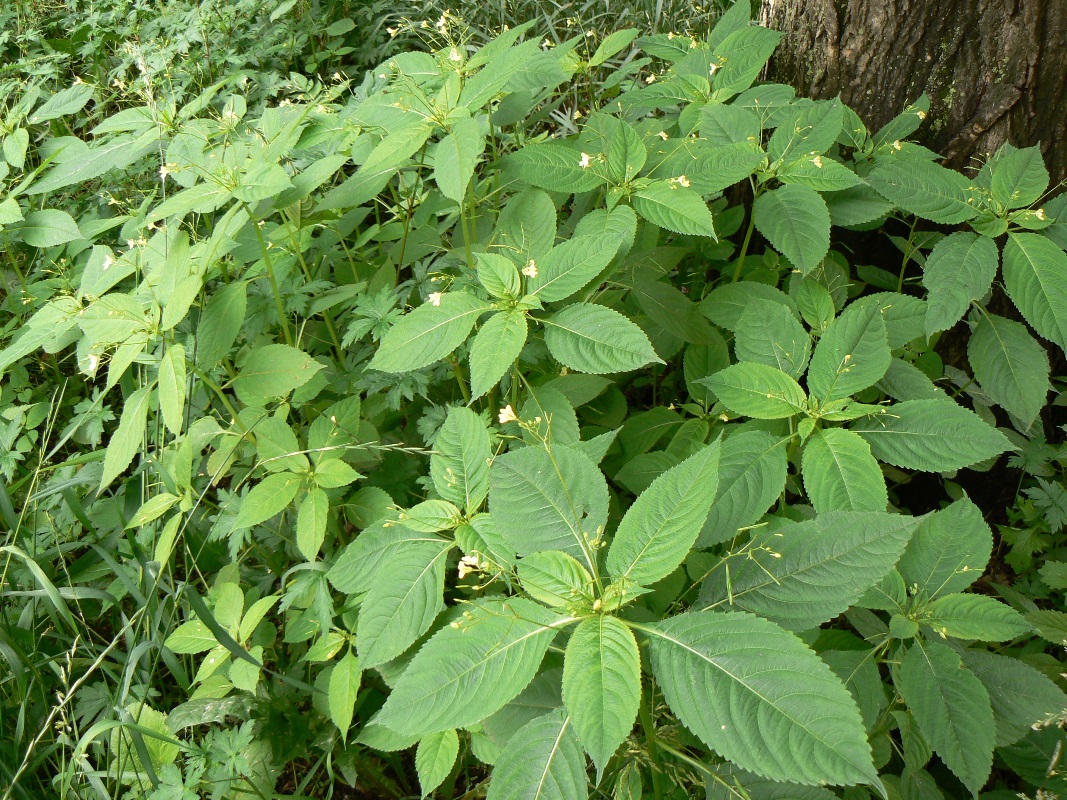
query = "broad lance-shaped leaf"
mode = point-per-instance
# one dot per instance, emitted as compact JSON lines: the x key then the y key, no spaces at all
{"x":752,"y":473}
{"x":662,"y":525}
{"x":269,"y":497}
{"x":434,"y":759}
{"x":796,"y":222}
{"x":494,"y":350}
{"x":571,"y":265}
{"x":459,"y":465}
{"x":757,"y":391}
{"x":363,"y":560}
{"x":549,"y":501}
{"x":543,"y":761}
{"x":1020,"y":695}
{"x":840,"y":474}
{"x":1035,"y":275}
{"x":959,"y":270}
{"x":402,"y":603}
{"x":852,"y":355}
{"x":807,"y":573}
{"x":429,"y":333}
{"x":925,"y":189}
{"x":464,"y":674}
{"x":273,"y":371}
{"x":768,"y":333}
{"x":975,"y":616}
{"x":952,"y":709}
{"x":602,"y":685}
{"x":591,"y":338}
{"x":126,"y":440}
{"x":949,"y":551}
{"x":931,"y":435}
{"x":456,"y":157}
{"x":343,"y":690}
{"x":552,"y":165}
{"x":1010,"y":365}
{"x":671,"y":205}
{"x":759,"y":697}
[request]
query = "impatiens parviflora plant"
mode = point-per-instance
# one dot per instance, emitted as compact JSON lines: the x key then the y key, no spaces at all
{"x":446,"y":433}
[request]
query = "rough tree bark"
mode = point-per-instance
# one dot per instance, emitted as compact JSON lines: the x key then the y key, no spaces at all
{"x":995,"y":70}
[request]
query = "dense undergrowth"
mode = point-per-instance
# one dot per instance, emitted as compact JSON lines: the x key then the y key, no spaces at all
{"x":542,"y":413}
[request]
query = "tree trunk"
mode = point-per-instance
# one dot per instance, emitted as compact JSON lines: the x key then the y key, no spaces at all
{"x":995,"y":70}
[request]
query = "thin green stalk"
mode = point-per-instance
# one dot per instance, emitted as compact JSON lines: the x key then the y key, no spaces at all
{"x":279,"y":304}
{"x":745,"y":243}
{"x":653,"y":748}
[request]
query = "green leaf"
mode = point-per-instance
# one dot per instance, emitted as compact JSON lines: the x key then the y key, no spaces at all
{"x":434,"y":758}
{"x":456,"y":157}
{"x":725,"y":304}
{"x":758,"y":391}
{"x":220,"y":323}
{"x":949,"y":551}
{"x":670,"y":205}
{"x":554,"y":578}
{"x":820,"y":173}
{"x":267,"y":498}
{"x":172,"y":388}
{"x":495,"y":348}
{"x":382,"y":163}
{"x":1019,"y":177}
{"x":768,"y":333}
{"x":931,"y":435}
{"x":402,"y":603}
{"x":464,"y":674}
{"x":796,"y":222}
{"x":117,"y":153}
{"x":952,"y":709}
{"x":498,"y":275}
{"x":974,"y":616}
{"x":311,"y":523}
{"x":669,"y":308}
{"x":554,"y":166}
{"x":807,"y":573}
{"x":611,"y":45}
{"x":333,"y":473}
{"x":571,"y":265}
{"x":67,"y":101}
{"x":602,"y":685}
{"x":273,"y":371}
{"x":459,"y":465}
{"x":343,"y":691}
{"x":959,"y":270}
{"x":662,"y":525}
{"x":526,"y":229}
{"x":262,"y":179}
{"x":752,"y":473}
{"x":370,"y":554}
{"x":741,"y":57}
{"x":925,"y":189}
{"x":813,"y":130}
{"x":1020,"y":695}
{"x":592,"y":338}
{"x":840,"y":474}
{"x":128,"y":437}
{"x":190,"y":638}
{"x":49,"y":228}
{"x":1012,"y":368}
{"x":429,"y":333}
{"x":14,"y":151}
{"x":548,"y":501}
{"x":545,"y":762}
{"x":852,"y":355}
{"x":760,"y":698}
{"x":1035,"y":275}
